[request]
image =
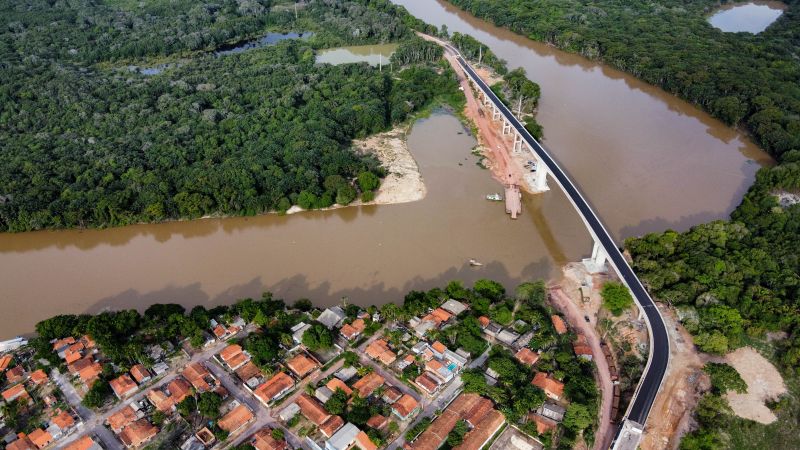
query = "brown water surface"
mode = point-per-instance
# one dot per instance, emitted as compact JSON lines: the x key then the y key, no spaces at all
{"x":646,"y":160}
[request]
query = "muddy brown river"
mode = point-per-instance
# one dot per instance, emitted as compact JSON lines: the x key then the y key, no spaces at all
{"x":646,"y":160}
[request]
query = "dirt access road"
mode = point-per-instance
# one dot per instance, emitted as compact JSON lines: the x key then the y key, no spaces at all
{"x":497,"y":149}
{"x":574,"y":316}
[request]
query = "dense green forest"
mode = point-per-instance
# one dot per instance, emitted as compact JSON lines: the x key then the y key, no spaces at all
{"x":86,"y":142}
{"x":738,"y":77}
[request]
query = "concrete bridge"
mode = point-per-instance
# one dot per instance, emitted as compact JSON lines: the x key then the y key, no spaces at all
{"x":604,"y":251}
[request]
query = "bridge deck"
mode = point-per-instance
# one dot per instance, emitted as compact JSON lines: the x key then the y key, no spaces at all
{"x":658,"y":359}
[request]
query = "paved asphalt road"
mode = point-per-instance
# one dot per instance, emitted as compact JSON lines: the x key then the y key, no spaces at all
{"x":659,"y":348}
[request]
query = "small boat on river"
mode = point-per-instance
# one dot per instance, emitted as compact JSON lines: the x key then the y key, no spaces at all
{"x":494,"y":197}
{"x":475,"y":263}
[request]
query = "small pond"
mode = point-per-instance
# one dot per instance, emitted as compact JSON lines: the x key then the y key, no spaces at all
{"x":268,"y":39}
{"x":752,"y":17}
{"x":371,"y":54}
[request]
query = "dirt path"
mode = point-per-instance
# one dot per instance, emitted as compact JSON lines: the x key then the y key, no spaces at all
{"x":576,"y":321}
{"x":684,"y":383}
{"x":495,"y":147}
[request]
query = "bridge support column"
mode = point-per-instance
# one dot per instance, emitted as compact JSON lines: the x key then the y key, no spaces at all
{"x":517,"y":142}
{"x":506,"y":126}
{"x":597,"y":263}
{"x":495,"y":112}
{"x":540,"y":177}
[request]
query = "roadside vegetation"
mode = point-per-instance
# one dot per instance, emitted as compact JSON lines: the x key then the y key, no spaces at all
{"x":88,"y":143}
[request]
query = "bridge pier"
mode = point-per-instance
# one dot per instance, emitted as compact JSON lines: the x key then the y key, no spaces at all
{"x":506,"y":126}
{"x":517,"y":142}
{"x":597,"y":263}
{"x":495,"y":112}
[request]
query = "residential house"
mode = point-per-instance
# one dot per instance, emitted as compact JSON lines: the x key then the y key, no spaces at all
{"x":138,"y":433}
{"x":439,"y":371}
{"x":16,"y":392}
{"x":312,"y":409}
{"x":558,"y":324}
{"x":323,"y":394}
{"x":391,"y":394}
{"x":427,"y":383}
{"x":346,"y":373}
{"x":348,"y":437}
{"x":250,"y":374}
{"x":60,"y":424}
{"x":39,"y":377}
{"x":122,"y":418}
{"x":298,"y":331}
{"x":527,"y":356}
{"x":15,"y":374}
{"x":454,"y":307}
{"x":286,"y":414}
{"x":582,"y":348}
{"x":5,"y":361}
{"x":123,"y":386}
{"x":331,"y":426}
{"x":438,"y":349}
{"x":353,"y":330}
{"x":552,"y":388}
{"x":274,"y":388}
{"x":263,"y":440}
{"x":90,"y":374}
{"x":301,"y":365}
{"x":405,"y":407}
{"x":493,"y":329}
{"x":234,"y":356}
{"x":22,"y":443}
{"x":40,"y":438}
{"x":236,"y":419}
{"x":378,"y":422}
{"x":367,"y":384}
{"x":199,"y":377}
{"x":543,"y":424}
{"x":379,"y":350}
{"x":552,"y":411}
{"x":84,"y":443}
{"x":332,"y":317}
{"x":140,"y":373}
{"x":405,"y":362}
{"x":484,"y":420}
{"x":507,"y":336}
{"x":334,"y":383}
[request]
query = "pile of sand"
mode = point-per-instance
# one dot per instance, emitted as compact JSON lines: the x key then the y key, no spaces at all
{"x":764,"y":383}
{"x":404,"y":182}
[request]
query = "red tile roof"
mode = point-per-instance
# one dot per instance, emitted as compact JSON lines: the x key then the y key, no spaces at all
{"x":16,"y":374}
{"x":236,"y":419}
{"x":91,"y":373}
{"x":367,"y":385}
{"x":63,"y":420}
{"x":527,"y":357}
{"x":364,"y":443}
{"x":439,"y":347}
{"x":247,"y":371}
{"x":558,"y":324}
{"x":40,"y":438}
{"x":23,"y":443}
{"x":484,"y":321}
{"x":335,"y":383}
{"x":465,"y":405}
{"x":263,"y":440}
{"x":301,"y":365}
{"x":483,"y":431}
{"x":198,"y":376}
{"x":379,"y":349}
{"x":405,"y":406}
{"x":553,"y":388}
{"x":543,"y":424}
{"x":5,"y":360}
{"x":15,"y":392}
{"x":273,"y":387}
{"x":427,"y":383}
{"x":138,"y":433}
{"x":123,"y":385}
{"x":84,"y":443}
{"x":140,"y":373}
{"x":121,"y":419}
{"x":312,"y":409}
{"x":377,"y":422}
{"x":38,"y":377}
{"x":331,"y":425}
